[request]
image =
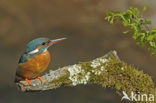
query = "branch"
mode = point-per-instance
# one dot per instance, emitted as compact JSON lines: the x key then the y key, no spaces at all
{"x":108,"y":71}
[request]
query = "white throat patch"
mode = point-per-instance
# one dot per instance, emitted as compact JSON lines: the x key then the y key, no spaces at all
{"x":34,"y":51}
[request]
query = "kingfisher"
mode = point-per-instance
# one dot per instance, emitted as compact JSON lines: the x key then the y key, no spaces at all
{"x":35,"y":59}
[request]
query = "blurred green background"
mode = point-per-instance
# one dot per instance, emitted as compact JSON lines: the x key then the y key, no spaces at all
{"x":89,"y":36}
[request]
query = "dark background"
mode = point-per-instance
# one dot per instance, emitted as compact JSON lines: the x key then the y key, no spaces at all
{"x":89,"y":36}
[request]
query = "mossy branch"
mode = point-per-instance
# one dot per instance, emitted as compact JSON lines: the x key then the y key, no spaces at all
{"x":108,"y":71}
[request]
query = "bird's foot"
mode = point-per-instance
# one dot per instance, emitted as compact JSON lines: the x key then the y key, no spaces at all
{"x":40,"y":78}
{"x":28,"y":81}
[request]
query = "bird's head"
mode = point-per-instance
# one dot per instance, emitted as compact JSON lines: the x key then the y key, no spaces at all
{"x":40,"y":45}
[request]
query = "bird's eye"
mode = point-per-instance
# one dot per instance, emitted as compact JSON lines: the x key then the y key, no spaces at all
{"x":43,"y":43}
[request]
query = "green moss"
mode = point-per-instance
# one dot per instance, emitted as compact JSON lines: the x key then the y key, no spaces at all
{"x":121,"y":76}
{"x":115,"y":74}
{"x":61,"y":81}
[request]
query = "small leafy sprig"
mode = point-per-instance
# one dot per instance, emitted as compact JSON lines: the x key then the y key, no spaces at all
{"x":138,"y":27}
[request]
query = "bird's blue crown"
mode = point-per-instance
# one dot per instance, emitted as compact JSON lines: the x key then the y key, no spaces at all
{"x":32,"y":45}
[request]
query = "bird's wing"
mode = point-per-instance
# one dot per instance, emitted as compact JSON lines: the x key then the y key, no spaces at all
{"x":24,"y":58}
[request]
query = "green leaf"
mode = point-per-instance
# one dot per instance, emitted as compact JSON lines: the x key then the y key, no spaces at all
{"x":130,"y":12}
{"x":108,"y":13}
{"x":127,"y":31}
{"x":154,"y":30}
{"x":147,"y":21}
{"x":108,"y":18}
{"x":111,"y":20}
{"x":135,"y":35}
{"x":144,"y":9}
{"x":136,"y":11}
{"x":154,"y":54}
{"x":125,"y":23}
{"x":153,"y":44}
{"x":151,"y":36}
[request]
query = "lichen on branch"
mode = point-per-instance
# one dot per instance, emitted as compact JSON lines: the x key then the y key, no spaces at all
{"x":108,"y":71}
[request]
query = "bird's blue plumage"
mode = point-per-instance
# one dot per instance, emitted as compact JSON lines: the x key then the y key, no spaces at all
{"x":32,"y":46}
{"x":24,"y":57}
{"x":34,"y":43}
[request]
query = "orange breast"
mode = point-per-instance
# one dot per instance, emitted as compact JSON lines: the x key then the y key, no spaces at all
{"x":34,"y":66}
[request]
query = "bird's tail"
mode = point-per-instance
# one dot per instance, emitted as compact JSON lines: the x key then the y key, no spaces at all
{"x":17,"y":78}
